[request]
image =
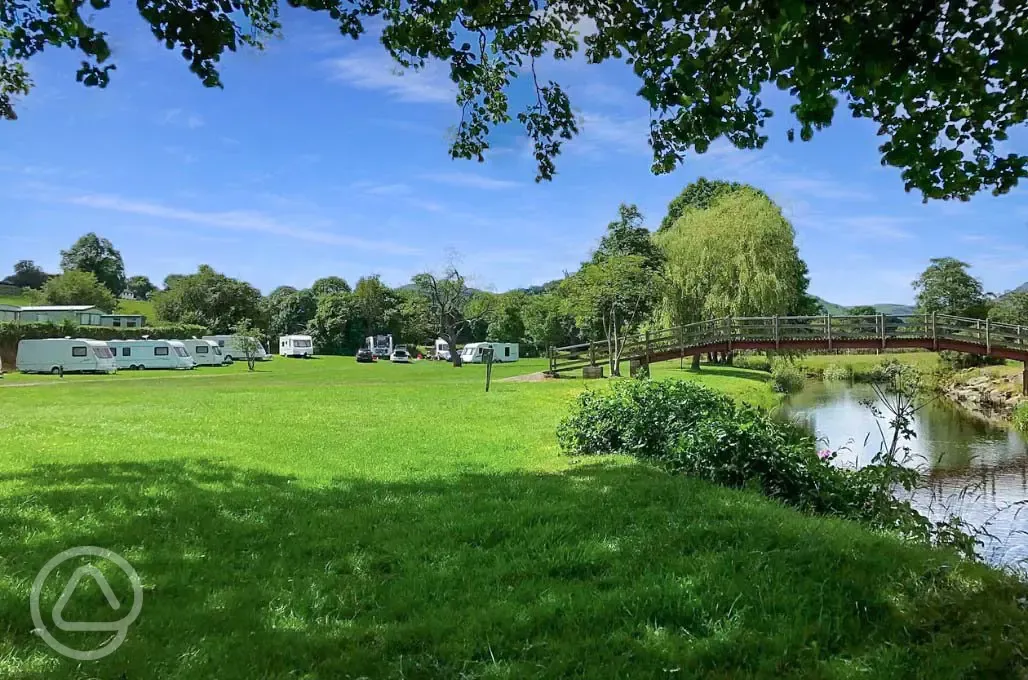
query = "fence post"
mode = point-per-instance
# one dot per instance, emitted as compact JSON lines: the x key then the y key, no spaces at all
{"x":882,"y":317}
{"x":828,"y":326}
{"x":988,"y":340}
{"x":776,"y":331}
{"x":647,"y":346}
{"x":592,"y":353}
{"x":935,"y":336}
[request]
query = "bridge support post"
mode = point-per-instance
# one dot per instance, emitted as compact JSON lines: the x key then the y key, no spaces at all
{"x":776,"y":331}
{"x":592,"y":354}
{"x":828,"y":327}
{"x":1024,"y":379}
{"x":881,"y":318}
{"x":988,"y":339}
{"x":935,"y":335}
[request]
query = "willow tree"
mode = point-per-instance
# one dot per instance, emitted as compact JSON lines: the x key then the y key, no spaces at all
{"x":736,"y":258}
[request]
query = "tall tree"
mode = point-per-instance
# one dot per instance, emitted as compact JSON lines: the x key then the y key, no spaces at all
{"x":613,"y":296}
{"x":329,"y":284}
{"x":946,"y":287}
{"x":862,"y":310}
{"x":627,"y":236}
{"x":140,"y":287}
{"x":78,"y":288}
{"x":289,"y":313}
{"x":337,"y":327}
{"x":943,"y":82}
{"x":374,"y":300}
{"x":1011,"y":308}
{"x":735,"y":258}
{"x":27,"y":275}
{"x":99,"y":257}
{"x":209,"y":298}
{"x":449,"y":299}
{"x":698,"y":195}
{"x":549,"y":322}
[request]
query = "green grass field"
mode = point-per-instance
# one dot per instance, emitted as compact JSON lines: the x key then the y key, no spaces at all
{"x":323,"y":519}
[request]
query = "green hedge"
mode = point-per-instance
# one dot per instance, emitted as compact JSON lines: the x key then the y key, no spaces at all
{"x":11,"y":333}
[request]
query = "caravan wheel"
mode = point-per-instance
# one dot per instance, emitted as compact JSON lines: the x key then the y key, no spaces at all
{"x":55,"y":371}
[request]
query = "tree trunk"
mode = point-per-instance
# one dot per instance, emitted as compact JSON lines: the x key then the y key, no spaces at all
{"x":710,"y":357}
{"x":615,"y":365}
{"x":450,"y":337}
{"x":695,"y":362}
{"x":728,"y":358}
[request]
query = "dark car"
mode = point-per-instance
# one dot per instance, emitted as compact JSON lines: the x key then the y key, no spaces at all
{"x":364,"y":356}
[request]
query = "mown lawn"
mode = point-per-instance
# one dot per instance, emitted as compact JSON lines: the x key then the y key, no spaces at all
{"x":322,"y":519}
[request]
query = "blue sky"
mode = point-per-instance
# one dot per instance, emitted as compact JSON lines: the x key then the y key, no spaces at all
{"x":318,"y":159}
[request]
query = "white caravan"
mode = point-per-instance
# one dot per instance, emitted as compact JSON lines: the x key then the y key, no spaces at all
{"x":380,"y":345}
{"x":229,"y":345}
{"x":151,"y":354}
{"x":296,"y":346}
{"x":205,"y":352}
{"x":54,"y":355}
{"x":442,"y":350}
{"x":503,"y":352}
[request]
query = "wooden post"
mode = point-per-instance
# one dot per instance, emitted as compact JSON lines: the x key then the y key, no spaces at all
{"x":647,"y":346}
{"x":935,"y":336}
{"x":549,"y":355}
{"x":1024,"y":379}
{"x":828,"y":326}
{"x":988,"y":339}
{"x":592,"y":353}
{"x":776,"y":331}
{"x":882,"y":317}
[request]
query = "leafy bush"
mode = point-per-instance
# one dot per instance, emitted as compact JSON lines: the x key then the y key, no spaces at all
{"x":838,"y":372}
{"x":638,"y":417}
{"x":1020,"y":417}
{"x":689,"y":429}
{"x":756,"y":362}
{"x":786,"y":378}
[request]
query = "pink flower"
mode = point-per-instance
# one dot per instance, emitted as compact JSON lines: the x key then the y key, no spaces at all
{"x":825,"y":454}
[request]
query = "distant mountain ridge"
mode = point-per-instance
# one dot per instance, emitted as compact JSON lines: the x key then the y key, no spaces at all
{"x":881,"y":308}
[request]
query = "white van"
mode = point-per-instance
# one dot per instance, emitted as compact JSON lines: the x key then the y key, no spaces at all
{"x":233,"y":352}
{"x":205,"y":352}
{"x":296,"y":346}
{"x":151,"y":354}
{"x":442,"y":350}
{"x":54,"y":355}
{"x":503,"y":352}
{"x":380,"y":345}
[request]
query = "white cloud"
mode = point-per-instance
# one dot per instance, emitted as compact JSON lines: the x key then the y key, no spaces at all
{"x":181,"y":118}
{"x":599,"y":131}
{"x":236,"y":220}
{"x":376,"y":70}
{"x":469,"y":179}
{"x":380,"y":189}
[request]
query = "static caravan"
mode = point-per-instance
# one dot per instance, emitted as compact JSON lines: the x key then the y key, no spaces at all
{"x":230,"y":347}
{"x":503,"y":352}
{"x":441,"y":350}
{"x":296,"y":346}
{"x":151,"y":354}
{"x":56,"y":355}
{"x":380,"y":345}
{"x":205,"y":352}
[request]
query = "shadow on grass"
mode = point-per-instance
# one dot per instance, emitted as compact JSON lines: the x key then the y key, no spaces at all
{"x":596,"y":573}
{"x":717,"y":369}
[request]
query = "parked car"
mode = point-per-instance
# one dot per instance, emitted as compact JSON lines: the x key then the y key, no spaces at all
{"x":399,"y":356}
{"x":365,"y":356}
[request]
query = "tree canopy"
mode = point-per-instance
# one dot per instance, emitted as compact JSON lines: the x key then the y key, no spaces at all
{"x":27,"y":275}
{"x":862,"y":310}
{"x":140,"y":287}
{"x":946,"y":287}
{"x":943,"y":82}
{"x":209,"y":298}
{"x":99,"y":257}
{"x":78,"y":288}
{"x":698,"y":195}
{"x":1011,"y":308}
{"x":627,"y":236}
{"x":735,"y":258}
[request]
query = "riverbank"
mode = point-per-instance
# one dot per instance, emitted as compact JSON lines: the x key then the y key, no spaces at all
{"x":994,"y":392}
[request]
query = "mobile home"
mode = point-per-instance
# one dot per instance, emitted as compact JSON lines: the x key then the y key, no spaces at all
{"x":68,"y":355}
{"x":229,"y":345}
{"x":151,"y":354}
{"x":441,"y":350}
{"x":380,"y":345}
{"x":503,"y":352}
{"x":296,"y":346}
{"x":205,"y":352}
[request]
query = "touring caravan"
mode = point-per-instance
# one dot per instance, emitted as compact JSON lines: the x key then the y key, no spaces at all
{"x":296,"y":346}
{"x":503,"y":352}
{"x":380,"y":345}
{"x":67,"y":355}
{"x":442,"y":350}
{"x":151,"y":354}
{"x":205,"y":352}
{"x":230,"y":347}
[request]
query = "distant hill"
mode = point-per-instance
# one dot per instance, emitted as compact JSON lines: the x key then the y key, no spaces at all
{"x":883,"y":308}
{"x":1023,"y":288}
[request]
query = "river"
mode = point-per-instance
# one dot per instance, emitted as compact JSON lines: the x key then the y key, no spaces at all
{"x":972,"y":468}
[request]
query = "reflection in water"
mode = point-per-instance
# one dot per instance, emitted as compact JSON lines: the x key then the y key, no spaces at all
{"x":973,"y":468}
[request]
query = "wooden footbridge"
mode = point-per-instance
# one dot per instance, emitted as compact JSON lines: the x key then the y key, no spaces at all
{"x":933,"y":332}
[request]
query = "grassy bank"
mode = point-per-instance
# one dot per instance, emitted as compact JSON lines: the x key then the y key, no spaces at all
{"x":324,"y":520}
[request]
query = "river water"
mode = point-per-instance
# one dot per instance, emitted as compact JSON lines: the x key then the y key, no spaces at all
{"x":972,"y":468}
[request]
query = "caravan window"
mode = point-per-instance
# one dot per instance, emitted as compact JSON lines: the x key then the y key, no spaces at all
{"x":78,"y":351}
{"x":303,"y":343}
{"x":506,"y":351}
{"x":181,"y":352}
{"x":160,"y":351}
{"x":103,"y":352}
{"x":201,"y":349}
{"x":221,"y":343}
{"x":126,"y":351}
{"x":217,"y":350}
{"x":131,"y":324}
